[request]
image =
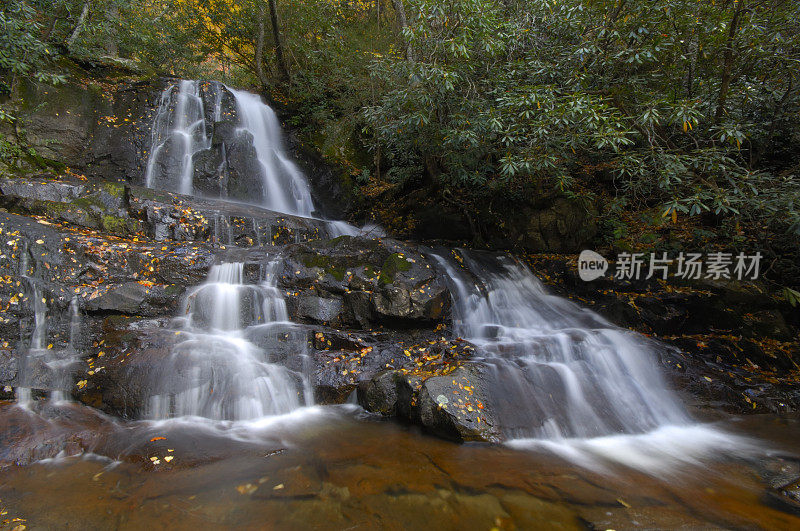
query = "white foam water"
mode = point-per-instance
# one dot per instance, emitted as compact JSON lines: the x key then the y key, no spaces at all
{"x":180,"y":130}
{"x":223,"y":368}
{"x":180,"y":127}
{"x":564,"y":379}
{"x":285,"y":187}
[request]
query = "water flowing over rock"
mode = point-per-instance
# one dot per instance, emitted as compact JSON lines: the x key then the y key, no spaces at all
{"x":555,"y":370}
{"x":216,"y":298}
{"x":220,"y":370}
{"x":210,"y":140}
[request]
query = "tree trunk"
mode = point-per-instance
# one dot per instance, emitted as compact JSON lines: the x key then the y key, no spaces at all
{"x":727,"y":62}
{"x":693,"y":53}
{"x":79,"y":26}
{"x":259,"y":58}
{"x":273,"y":15}
{"x":401,"y":18}
{"x":112,"y":15}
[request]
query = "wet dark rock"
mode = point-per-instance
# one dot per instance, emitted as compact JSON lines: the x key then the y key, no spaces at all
{"x":132,"y":353}
{"x":454,"y":405}
{"x":60,"y":121}
{"x":380,"y":394}
{"x":223,"y":133}
{"x":133,"y":298}
{"x":378,"y":281}
{"x":46,"y":431}
{"x":782,"y":477}
{"x":244,"y":170}
{"x":94,"y":206}
{"x":210,"y":173}
{"x":554,"y":224}
{"x":131,"y":211}
{"x":9,"y":367}
{"x":185,"y":218}
{"x":120,"y":142}
{"x":105,"y":275}
{"x":319,"y":309}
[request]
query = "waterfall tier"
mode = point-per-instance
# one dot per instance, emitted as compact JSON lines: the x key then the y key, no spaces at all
{"x":558,"y":370}
{"x":239,"y":357}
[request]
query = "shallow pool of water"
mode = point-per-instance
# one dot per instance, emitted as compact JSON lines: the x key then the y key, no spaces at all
{"x":335,"y":467}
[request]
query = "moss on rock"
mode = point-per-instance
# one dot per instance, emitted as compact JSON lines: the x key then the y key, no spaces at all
{"x":393,"y":265}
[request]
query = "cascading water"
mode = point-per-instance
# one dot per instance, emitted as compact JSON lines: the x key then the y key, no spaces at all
{"x":240,"y":357}
{"x":184,"y":131}
{"x":36,"y":347}
{"x":559,"y":372}
{"x":178,"y":132}
{"x":285,"y":186}
{"x":62,"y":364}
{"x":225,"y":367}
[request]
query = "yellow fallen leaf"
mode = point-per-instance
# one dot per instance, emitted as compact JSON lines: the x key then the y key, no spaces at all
{"x":247,"y":488}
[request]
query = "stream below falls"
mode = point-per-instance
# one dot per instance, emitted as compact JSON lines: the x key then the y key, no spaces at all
{"x":335,"y":467}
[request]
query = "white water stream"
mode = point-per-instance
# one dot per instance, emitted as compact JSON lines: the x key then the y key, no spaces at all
{"x":180,"y":131}
{"x":564,"y":379}
{"x":223,"y":367}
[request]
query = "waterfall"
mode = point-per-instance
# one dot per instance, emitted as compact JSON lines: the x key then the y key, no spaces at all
{"x":36,"y":346}
{"x":62,"y":363}
{"x":184,"y":130}
{"x":228,"y":363}
{"x":560,"y":371}
{"x":285,"y":187}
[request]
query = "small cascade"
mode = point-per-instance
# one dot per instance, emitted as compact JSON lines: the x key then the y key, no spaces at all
{"x":36,"y":347}
{"x":63,"y":362}
{"x":342,"y":228}
{"x":223,"y":232}
{"x":558,"y":370}
{"x":232,"y":361}
{"x":43,"y":367}
{"x":178,"y":132}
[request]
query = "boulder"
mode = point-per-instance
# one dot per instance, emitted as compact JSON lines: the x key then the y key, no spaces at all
{"x":210,"y":173}
{"x":377,"y":281}
{"x":245,"y":175}
{"x":319,"y":309}
{"x":456,"y":406}
{"x":135,"y":298}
